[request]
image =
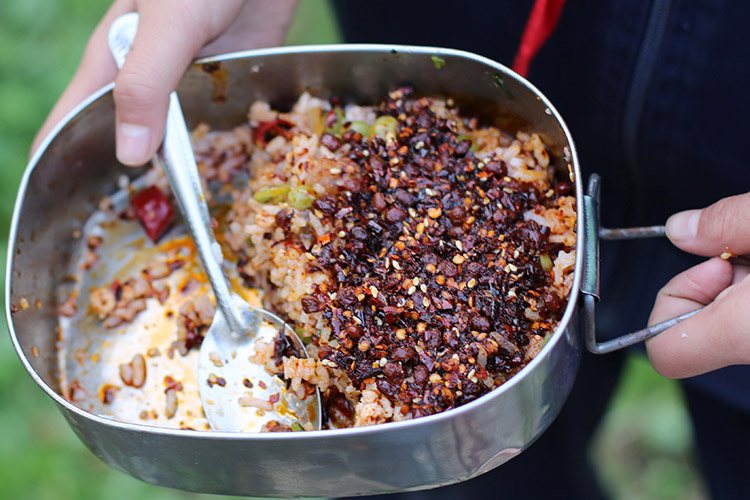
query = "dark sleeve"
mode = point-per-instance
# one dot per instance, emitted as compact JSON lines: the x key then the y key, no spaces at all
{"x":492,"y":29}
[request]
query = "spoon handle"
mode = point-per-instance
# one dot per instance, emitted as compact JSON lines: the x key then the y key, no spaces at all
{"x":176,"y":157}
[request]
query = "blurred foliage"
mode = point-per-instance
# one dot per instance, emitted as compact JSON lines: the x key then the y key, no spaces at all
{"x":644,"y":446}
{"x":643,"y":449}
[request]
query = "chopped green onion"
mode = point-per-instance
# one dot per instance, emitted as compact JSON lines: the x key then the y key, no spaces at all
{"x":301,"y":197}
{"x":274,"y":194}
{"x":546,"y":339}
{"x":474,"y":147}
{"x":301,"y":334}
{"x":384,"y":126}
{"x":501,"y":84}
{"x":297,"y":427}
{"x":361,"y":128}
{"x":439,"y":62}
{"x":335,"y":128}
{"x":546,"y":262}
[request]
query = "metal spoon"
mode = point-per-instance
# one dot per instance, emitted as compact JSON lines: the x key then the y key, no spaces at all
{"x":234,"y":390}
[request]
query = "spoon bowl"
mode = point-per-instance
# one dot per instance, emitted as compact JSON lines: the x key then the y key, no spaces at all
{"x":238,"y":393}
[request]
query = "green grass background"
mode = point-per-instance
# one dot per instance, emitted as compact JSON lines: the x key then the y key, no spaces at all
{"x":644,"y":446}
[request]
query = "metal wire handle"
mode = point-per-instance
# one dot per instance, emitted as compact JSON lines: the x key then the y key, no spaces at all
{"x":590,"y":287}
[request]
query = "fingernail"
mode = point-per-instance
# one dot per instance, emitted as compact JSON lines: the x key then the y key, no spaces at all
{"x":133,"y":143}
{"x":683,"y":226}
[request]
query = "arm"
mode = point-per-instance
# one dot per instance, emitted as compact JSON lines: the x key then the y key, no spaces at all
{"x":170,"y":35}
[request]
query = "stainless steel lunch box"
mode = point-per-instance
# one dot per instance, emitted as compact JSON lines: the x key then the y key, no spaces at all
{"x":76,"y":166}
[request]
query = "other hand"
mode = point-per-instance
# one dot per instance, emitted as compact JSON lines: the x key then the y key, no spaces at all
{"x":719,"y":335}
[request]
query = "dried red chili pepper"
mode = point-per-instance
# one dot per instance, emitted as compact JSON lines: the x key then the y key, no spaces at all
{"x":154,"y":211}
{"x":265,"y":131}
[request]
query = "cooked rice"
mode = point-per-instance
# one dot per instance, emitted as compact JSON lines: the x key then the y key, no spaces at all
{"x":402,"y":343}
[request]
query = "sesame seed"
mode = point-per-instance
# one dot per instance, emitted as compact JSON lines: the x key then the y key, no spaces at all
{"x":335,"y":171}
{"x":423,"y":287}
{"x":357,"y":320}
{"x":342,"y":234}
{"x":460,"y":246}
{"x":396,"y":265}
{"x":426,"y":302}
{"x":382,"y":361}
{"x":374,"y":292}
{"x":360,"y":297}
{"x":412,"y":290}
{"x":419,"y":145}
{"x":365,"y":153}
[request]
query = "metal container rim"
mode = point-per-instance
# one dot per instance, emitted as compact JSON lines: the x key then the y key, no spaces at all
{"x":345,"y":432}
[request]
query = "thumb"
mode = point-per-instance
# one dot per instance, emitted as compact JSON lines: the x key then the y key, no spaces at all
{"x":719,"y":228}
{"x":170,"y":33}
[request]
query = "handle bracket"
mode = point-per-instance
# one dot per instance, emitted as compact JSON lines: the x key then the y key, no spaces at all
{"x":590,"y":284}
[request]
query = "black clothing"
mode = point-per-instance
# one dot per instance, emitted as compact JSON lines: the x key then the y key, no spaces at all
{"x":655,"y":95}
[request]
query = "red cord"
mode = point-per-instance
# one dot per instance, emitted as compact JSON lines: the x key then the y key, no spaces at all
{"x":541,"y":23}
